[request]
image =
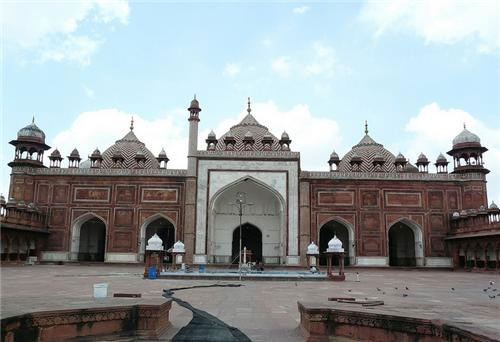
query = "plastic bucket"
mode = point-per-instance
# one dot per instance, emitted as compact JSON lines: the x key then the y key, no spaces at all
{"x":201,"y":268}
{"x":152,"y":273}
{"x":100,"y":290}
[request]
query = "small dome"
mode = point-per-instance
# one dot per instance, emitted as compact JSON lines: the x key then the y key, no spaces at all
{"x":422,"y":158}
{"x":335,"y":245}
{"x":441,"y":159}
{"x":56,"y":154}
{"x":194,"y":104}
{"x":493,"y":205}
{"x":21,"y":205}
{"x":248,"y":134}
{"x":400,"y":157}
{"x":313,"y":249}
{"x":456,"y":214}
{"x":179,"y":247}
{"x":11,"y":203}
{"x":284,"y":136}
{"x":212,"y":135}
{"x":155,"y":243}
{"x":31,"y":132}
{"x":466,"y":137}
{"x":162,"y":153}
{"x":75,"y":153}
{"x":334,"y":156}
{"x":96,"y":153}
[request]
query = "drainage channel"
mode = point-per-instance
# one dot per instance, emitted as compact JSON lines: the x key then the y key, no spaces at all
{"x":204,"y":326}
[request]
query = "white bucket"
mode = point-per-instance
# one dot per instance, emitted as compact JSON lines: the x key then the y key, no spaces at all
{"x":100,"y":290}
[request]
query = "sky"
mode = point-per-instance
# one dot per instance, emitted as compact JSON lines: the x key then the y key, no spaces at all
{"x":416,"y":71}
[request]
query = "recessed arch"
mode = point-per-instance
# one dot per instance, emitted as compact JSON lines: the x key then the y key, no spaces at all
{"x":142,"y":232}
{"x":348,"y":241}
{"x":251,"y":239}
{"x":415,"y":248}
{"x":76,"y":228}
{"x":268,"y":214}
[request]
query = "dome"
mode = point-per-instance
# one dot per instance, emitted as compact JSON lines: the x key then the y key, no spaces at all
{"x":212,"y":135}
{"x":441,"y":159}
{"x":410,"y":168}
{"x":154,"y":243}
{"x":2,"y":200}
{"x":248,"y":125}
{"x":422,"y":158}
{"x":312,"y":249}
{"x":493,"y":205}
{"x":55,"y":154}
{"x":162,"y":153}
{"x":368,"y":150}
{"x":74,"y":153}
{"x":11,"y":203}
{"x":127,"y":147}
{"x":179,"y":247}
{"x":400,"y":158}
{"x":96,"y":153}
{"x":334,"y":156}
{"x":194,"y":104}
{"x":284,"y":136}
{"x":466,"y":136}
{"x":335,"y":245}
{"x":31,"y":132}
{"x":456,"y":214}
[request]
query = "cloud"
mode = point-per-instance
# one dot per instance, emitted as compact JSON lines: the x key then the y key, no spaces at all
{"x":101,"y":128}
{"x":445,"y":22}
{"x":324,"y":61}
{"x":88,"y":92}
{"x":282,"y":65}
{"x":314,"y":143}
{"x":300,"y":10}
{"x":434,"y":129}
{"x":232,"y":69}
{"x":51,"y":29}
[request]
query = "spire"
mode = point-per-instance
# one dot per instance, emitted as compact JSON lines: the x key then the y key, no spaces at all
{"x":464,"y":125}
{"x":195,"y":96}
{"x":248,"y":108}
{"x":33,"y":120}
{"x":366,"y":127}
{"x":132,"y":124}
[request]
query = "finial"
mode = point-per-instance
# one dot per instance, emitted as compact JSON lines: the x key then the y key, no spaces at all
{"x":195,"y":96}
{"x":33,"y":120}
{"x":132,"y":124}
{"x":464,"y":125}
{"x":366,"y":127}
{"x":249,"y":109}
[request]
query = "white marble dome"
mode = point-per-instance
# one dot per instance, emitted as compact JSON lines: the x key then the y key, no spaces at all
{"x":335,"y":245}
{"x":312,"y":249}
{"x":179,"y":247}
{"x":155,"y":243}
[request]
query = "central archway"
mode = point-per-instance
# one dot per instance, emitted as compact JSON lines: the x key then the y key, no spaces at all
{"x":251,"y":238}
{"x":327,"y":232}
{"x":264,"y":209}
{"x":92,"y":240}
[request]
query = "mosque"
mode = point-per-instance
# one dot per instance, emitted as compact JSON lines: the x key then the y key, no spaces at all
{"x":386,"y":211}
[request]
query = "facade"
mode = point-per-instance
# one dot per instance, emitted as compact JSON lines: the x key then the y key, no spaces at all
{"x":386,"y":211}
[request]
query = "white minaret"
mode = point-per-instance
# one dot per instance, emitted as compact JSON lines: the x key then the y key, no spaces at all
{"x":194,"y":110}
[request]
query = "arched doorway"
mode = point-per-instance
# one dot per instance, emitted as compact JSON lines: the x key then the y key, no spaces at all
{"x":401,"y":245}
{"x":251,"y":238}
{"x":164,"y":229}
{"x":326,"y":233}
{"x":264,"y":208}
{"x":92,"y":240}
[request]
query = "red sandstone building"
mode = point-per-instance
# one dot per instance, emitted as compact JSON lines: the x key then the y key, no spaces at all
{"x":385,"y":210}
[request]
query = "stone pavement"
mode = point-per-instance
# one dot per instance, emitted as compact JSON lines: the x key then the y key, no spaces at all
{"x":264,"y":311}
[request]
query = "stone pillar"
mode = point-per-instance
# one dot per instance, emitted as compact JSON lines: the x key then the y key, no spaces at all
{"x":305,"y":220}
{"x":190,"y":219}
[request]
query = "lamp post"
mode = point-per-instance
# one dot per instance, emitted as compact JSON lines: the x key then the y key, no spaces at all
{"x":240,"y":200}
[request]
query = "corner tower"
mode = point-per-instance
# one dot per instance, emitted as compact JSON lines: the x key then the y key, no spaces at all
{"x":194,"y":111}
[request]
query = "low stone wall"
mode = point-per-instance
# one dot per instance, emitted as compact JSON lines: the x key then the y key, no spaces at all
{"x":319,"y":323}
{"x":143,"y":321}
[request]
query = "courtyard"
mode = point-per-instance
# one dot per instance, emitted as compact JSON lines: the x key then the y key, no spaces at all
{"x":263,"y":310}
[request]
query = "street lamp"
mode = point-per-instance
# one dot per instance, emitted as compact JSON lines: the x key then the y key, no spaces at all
{"x":240,"y":200}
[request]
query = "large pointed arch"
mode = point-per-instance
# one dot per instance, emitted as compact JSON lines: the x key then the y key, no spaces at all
{"x":142,"y":232}
{"x":351,"y":233}
{"x":418,"y":238}
{"x":274,"y":241}
{"x":76,"y":230}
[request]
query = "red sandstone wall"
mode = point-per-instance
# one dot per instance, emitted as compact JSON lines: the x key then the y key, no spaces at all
{"x":123,"y":202}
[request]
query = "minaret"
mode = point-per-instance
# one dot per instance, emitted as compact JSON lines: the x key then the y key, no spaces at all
{"x":194,"y":110}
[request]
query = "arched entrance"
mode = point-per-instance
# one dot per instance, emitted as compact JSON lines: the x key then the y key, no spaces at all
{"x":401,"y":245}
{"x":327,"y":232}
{"x":164,"y":229}
{"x":264,"y":209}
{"x":92,"y":244}
{"x":251,"y":238}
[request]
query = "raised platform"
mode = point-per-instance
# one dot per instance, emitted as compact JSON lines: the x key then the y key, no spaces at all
{"x":214,"y":274}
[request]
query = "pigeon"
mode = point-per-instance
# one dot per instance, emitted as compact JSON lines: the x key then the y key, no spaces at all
{"x":494,"y":290}
{"x":491,"y":297}
{"x":492,"y":282}
{"x":378,"y":289}
{"x":407,"y":288}
{"x":405,"y":295}
{"x":349,"y":290}
{"x":383,"y":293}
{"x":485,"y":290}
{"x":395,"y":288}
{"x":453,"y":289}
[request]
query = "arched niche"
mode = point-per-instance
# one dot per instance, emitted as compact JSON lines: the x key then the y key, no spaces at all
{"x":93,"y":221}
{"x":264,"y":210}
{"x":157,"y":223}
{"x":405,"y":243}
{"x":344,"y":231}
